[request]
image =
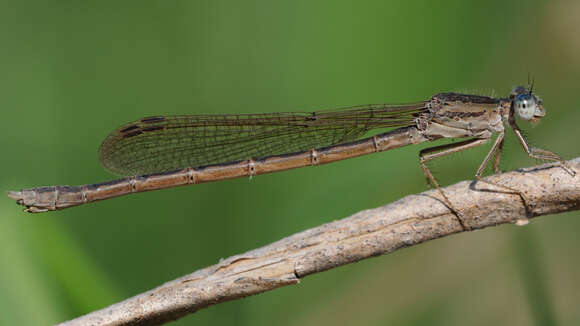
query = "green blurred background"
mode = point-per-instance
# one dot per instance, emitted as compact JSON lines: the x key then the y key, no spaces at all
{"x":72,"y":71}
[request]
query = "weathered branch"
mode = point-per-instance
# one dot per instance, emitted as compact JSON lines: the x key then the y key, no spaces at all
{"x":414,"y":219}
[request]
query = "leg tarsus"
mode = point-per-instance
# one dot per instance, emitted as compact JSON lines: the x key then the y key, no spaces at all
{"x":543,"y":154}
{"x":538,"y":153}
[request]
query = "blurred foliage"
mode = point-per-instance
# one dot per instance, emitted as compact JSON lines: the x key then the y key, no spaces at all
{"x":72,"y":71}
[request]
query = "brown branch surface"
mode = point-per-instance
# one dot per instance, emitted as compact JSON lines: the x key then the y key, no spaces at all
{"x":414,"y":219}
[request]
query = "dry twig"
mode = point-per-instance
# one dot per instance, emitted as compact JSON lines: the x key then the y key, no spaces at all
{"x":414,"y":219}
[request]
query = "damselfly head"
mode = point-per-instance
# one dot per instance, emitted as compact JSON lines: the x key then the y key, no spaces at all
{"x":527,"y":106}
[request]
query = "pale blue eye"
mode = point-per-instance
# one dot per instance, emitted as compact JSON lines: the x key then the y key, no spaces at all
{"x":525,"y":106}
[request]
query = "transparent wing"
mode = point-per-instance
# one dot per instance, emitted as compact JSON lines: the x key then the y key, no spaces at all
{"x":163,"y":143}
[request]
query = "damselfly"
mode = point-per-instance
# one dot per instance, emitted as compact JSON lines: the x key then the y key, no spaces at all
{"x":168,"y":151}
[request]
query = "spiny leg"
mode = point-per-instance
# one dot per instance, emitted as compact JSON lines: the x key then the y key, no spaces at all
{"x":431,"y":153}
{"x":539,"y":153}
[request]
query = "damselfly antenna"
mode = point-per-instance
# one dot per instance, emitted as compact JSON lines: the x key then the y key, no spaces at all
{"x":530,"y":83}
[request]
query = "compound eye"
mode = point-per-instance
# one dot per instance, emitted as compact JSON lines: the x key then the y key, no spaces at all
{"x":525,"y":106}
